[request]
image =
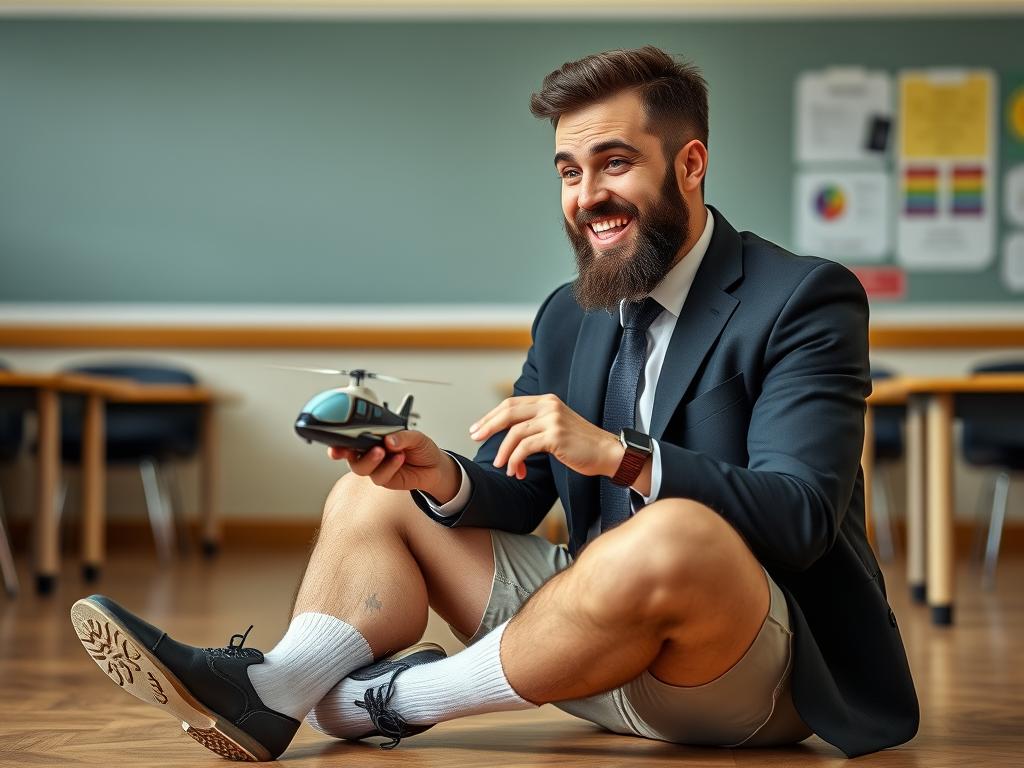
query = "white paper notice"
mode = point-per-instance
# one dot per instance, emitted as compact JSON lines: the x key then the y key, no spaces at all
{"x":843,"y":215}
{"x":1013,"y":262}
{"x":842,"y":114}
{"x":1014,"y":195}
{"x":947,"y":156}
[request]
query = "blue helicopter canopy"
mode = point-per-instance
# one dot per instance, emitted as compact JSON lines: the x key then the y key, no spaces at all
{"x":330,"y":406}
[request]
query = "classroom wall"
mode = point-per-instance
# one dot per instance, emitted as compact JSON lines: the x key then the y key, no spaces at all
{"x":354,"y":162}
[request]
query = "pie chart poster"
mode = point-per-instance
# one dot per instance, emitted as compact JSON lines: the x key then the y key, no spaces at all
{"x":843,"y":215}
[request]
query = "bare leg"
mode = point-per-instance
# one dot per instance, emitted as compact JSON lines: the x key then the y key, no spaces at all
{"x":378,"y":561}
{"x":674,"y":590}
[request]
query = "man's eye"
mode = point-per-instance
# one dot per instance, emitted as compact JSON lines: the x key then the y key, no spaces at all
{"x":617,"y":162}
{"x":569,"y":173}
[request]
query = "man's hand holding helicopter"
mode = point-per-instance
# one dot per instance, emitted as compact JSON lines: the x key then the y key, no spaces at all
{"x":412,"y":461}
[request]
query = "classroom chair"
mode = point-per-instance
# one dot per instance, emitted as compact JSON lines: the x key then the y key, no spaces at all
{"x":11,"y":433}
{"x":889,"y":421}
{"x":999,"y":443}
{"x":149,"y":436}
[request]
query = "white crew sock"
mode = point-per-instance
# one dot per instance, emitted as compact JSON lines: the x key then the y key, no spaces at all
{"x":469,"y":683}
{"x":315,"y":653}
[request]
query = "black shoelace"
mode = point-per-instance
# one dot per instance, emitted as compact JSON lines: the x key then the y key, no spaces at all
{"x":387,"y":722}
{"x":233,"y":650}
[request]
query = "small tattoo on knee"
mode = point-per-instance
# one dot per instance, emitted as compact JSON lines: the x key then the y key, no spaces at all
{"x":372,"y":604}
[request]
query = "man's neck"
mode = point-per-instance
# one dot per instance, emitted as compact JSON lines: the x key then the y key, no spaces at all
{"x":698,"y":220}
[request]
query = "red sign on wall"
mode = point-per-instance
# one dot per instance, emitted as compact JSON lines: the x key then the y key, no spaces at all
{"x":885,"y":283}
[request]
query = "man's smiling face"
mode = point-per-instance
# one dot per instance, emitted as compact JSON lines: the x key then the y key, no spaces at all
{"x":624,"y":213}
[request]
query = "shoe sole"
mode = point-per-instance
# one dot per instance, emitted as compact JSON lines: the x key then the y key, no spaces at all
{"x":128,"y":662}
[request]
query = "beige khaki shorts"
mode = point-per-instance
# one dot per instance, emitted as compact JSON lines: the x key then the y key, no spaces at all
{"x":750,"y":705}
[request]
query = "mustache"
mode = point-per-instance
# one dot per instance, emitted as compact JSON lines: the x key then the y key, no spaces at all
{"x":603,"y":210}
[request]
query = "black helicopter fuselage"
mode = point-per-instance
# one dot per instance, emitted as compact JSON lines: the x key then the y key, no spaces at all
{"x":344,"y":419}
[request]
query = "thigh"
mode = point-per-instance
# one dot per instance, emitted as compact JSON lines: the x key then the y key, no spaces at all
{"x":522,"y":564}
{"x":749,"y":705}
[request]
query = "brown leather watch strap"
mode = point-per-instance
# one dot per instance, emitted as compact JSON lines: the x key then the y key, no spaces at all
{"x":630,"y":467}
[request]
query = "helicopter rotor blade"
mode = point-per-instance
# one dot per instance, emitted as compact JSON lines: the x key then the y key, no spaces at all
{"x":330,"y":371}
{"x":397,"y":380}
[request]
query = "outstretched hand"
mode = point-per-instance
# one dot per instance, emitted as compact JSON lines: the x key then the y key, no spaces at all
{"x":544,"y":424}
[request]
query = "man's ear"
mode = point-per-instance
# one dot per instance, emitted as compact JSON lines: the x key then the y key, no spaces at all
{"x":690,"y":166}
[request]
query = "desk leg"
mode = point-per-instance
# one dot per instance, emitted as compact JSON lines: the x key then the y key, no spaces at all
{"x":916,"y":497}
{"x":209,"y":473}
{"x":47,"y":533}
{"x":867,"y":463}
{"x":940,"y":508}
{"x":93,"y":487}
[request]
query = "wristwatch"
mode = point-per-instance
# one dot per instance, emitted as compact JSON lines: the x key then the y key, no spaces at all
{"x":638,"y":448}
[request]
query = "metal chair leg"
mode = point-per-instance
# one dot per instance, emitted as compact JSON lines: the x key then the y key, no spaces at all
{"x":995,"y":529}
{"x":159,"y":515}
{"x":982,"y":516}
{"x":172,"y":483}
{"x":883,"y":521}
{"x":7,"y":557}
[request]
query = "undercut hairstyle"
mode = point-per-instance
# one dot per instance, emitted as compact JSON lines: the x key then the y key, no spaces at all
{"x":674,"y":93}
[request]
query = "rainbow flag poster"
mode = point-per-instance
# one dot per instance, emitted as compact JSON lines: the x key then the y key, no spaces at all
{"x":968,"y":190}
{"x":921,"y":191}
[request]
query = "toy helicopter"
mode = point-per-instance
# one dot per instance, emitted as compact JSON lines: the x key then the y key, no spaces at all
{"x":352,"y":417}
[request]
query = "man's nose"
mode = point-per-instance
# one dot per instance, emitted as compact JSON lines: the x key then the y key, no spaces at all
{"x":592,"y":193}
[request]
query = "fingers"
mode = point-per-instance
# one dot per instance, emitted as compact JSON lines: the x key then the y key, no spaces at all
{"x":366,"y":463}
{"x":403,"y":440}
{"x":387,"y":469}
{"x":517,"y":461}
{"x":511,"y":411}
{"x":340,"y":454}
{"x":514,"y":436}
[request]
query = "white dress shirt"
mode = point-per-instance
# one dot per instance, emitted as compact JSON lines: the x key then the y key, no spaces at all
{"x":671,"y":293}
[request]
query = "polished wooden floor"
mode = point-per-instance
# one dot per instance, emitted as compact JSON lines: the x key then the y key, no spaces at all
{"x":58,"y":709}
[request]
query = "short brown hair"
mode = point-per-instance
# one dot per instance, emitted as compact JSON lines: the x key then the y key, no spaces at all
{"x":674,"y":94}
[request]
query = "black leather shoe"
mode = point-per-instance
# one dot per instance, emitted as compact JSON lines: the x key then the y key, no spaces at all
{"x":377,"y":698}
{"x":208,"y":689}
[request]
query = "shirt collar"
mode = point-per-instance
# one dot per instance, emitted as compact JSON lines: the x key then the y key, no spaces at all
{"x":674,"y":287}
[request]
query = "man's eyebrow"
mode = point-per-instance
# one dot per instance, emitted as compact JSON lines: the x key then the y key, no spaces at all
{"x":597,"y":149}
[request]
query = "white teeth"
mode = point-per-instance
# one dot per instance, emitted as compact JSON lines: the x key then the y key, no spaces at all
{"x":601,"y":226}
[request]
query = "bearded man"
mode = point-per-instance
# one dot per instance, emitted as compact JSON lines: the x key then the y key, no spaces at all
{"x":696,"y":400}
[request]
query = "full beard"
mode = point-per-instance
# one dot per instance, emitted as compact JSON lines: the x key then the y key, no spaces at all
{"x":631,"y":270}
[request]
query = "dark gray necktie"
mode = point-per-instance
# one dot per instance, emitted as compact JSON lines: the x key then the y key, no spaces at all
{"x":620,"y":399}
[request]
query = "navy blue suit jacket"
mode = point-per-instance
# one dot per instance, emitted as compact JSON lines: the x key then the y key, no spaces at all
{"x":759,"y":413}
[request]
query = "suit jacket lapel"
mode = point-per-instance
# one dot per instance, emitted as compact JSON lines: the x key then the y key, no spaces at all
{"x":707,"y":309}
{"x":596,"y":345}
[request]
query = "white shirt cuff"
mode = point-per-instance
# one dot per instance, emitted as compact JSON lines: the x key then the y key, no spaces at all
{"x":655,"y":480}
{"x":458,"y":503}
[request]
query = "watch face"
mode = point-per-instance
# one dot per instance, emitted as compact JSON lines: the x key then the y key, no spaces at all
{"x":636,"y":441}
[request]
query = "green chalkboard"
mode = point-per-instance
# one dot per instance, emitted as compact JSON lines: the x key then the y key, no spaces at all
{"x":352,"y":162}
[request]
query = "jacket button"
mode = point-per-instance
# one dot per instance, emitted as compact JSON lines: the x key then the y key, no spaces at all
{"x":892,"y":617}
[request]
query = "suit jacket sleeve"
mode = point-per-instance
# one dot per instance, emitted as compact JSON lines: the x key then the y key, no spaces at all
{"x":498,"y":501}
{"x":806,"y":429}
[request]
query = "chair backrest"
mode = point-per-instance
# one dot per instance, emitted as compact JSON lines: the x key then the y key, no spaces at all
{"x":136,"y":430}
{"x":888,"y":423}
{"x":12,"y":418}
{"x":142,"y":373}
{"x":996,"y":442}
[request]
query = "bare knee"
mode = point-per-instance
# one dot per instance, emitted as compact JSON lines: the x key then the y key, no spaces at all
{"x":658,"y":565}
{"x":357,"y":501}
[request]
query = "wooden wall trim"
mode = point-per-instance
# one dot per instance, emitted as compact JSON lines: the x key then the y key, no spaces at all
{"x":253,"y":337}
{"x":417,"y":337}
